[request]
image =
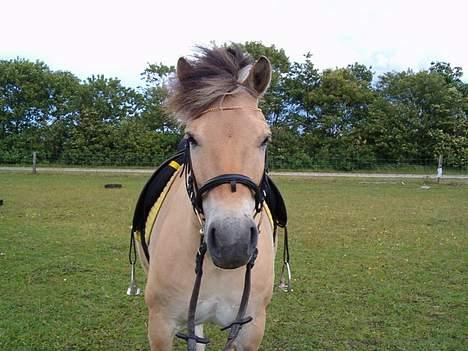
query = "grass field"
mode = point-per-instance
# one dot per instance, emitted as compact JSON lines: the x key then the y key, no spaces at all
{"x":376,"y":266}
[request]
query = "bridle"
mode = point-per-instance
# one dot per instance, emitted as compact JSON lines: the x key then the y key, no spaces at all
{"x":196,"y":194}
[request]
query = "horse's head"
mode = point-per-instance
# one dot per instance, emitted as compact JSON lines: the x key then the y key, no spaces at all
{"x":228,"y":136}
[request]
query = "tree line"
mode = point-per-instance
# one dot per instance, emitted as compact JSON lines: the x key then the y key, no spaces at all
{"x":343,"y":118}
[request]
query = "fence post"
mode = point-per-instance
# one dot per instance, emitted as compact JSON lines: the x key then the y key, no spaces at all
{"x":34,"y":162}
{"x":439,"y":168}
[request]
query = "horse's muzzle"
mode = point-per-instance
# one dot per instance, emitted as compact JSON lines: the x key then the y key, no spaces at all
{"x":231,"y":241}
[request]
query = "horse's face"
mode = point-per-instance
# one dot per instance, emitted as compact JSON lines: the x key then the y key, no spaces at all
{"x":222,"y":142}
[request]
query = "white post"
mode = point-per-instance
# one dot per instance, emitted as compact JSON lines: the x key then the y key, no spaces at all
{"x":439,"y":169}
{"x":34,"y":162}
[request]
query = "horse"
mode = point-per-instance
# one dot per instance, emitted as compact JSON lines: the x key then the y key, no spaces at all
{"x":215,"y":205}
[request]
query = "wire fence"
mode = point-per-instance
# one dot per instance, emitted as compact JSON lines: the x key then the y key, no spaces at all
{"x":374,"y":165}
{"x":274,"y":163}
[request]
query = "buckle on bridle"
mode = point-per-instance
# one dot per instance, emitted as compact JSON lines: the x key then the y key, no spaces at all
{"x":196,"y":338}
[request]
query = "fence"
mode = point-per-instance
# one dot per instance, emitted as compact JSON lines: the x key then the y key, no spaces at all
{"x":357,"y":164}
{"x":274,"y":163}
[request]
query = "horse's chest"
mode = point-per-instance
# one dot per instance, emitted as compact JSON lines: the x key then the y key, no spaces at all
{"x":220,"y":310}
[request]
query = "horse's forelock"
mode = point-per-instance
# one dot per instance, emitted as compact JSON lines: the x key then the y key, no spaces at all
{"x":211,"y":74}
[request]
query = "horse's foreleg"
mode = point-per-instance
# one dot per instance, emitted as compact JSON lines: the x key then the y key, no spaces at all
{"x":199,"y":332}
{"x":161,"y":331}
{"x":251,"y":334}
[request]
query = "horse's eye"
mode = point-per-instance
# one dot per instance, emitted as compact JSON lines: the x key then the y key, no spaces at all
{"x":191,"y":140}
{"x":266,"y":141}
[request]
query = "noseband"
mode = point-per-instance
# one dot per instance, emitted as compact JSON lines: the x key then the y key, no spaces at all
{"x":195,"y":195}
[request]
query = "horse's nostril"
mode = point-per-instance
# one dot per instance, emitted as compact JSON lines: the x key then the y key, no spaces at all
{"x":212,"y":236}
{"x":253,"y":236}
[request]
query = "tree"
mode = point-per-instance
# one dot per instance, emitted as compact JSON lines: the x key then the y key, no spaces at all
{"x":300,"y":81}
{"x":342,"y":101}
{"x":451,"y":75}
{"x":337,"y":117}
{"x":425,"y":110}
{"x":24,"y":95}
{"x":26,"y":104}
{"x":102,"y":104}
{"x":155,"y":92}
{"x":64,"y":102}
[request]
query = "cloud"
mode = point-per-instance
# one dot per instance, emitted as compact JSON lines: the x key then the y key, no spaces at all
{"x":118,"y":38}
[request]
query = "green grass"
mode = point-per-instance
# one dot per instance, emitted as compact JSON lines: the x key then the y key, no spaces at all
{"x":376,"y":266}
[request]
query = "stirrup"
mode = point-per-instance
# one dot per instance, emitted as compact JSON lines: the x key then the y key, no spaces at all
{"x":133,"y":289}
{"x":285,"y":279}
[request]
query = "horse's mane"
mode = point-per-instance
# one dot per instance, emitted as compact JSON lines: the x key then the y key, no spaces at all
{"x":214,"y":72}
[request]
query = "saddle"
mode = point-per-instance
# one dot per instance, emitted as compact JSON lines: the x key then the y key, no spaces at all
{"x":156,"y":185}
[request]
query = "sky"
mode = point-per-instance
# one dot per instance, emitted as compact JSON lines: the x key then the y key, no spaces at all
{"x":119,"y":38}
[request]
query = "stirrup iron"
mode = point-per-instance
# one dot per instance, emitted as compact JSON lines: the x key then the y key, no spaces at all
{"x":285,"y":278}
{"x":133,"y":289}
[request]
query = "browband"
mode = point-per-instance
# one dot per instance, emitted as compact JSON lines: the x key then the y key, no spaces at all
{"x":227,"y":108}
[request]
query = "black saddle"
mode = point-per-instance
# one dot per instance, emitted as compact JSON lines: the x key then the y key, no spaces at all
{"x":157,"y":182}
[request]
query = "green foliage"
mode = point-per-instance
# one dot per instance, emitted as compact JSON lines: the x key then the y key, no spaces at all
{"x":24,"y":95}
{"x":153,"y":114}
{"x":428,"y":112}
{"x":341,"y":118}
{"x":287,"y":149}
{"x":299,"y":82}
{"x":96,"y":121}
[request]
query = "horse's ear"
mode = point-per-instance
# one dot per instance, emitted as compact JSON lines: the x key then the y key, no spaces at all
{"x":259,"y":76}
{"x":183,"y":68}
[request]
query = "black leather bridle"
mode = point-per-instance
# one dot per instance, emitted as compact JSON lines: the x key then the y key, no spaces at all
{"x":195,"y":195}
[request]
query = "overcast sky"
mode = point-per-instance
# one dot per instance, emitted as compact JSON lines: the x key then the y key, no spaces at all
{"x":118,"y":38}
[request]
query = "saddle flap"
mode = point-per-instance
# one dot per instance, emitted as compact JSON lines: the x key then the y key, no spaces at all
{"x":151,"y":192}
{"x":275,"y":202}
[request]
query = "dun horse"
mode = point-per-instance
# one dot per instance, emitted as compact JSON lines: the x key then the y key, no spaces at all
{"x":214,"y":203}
